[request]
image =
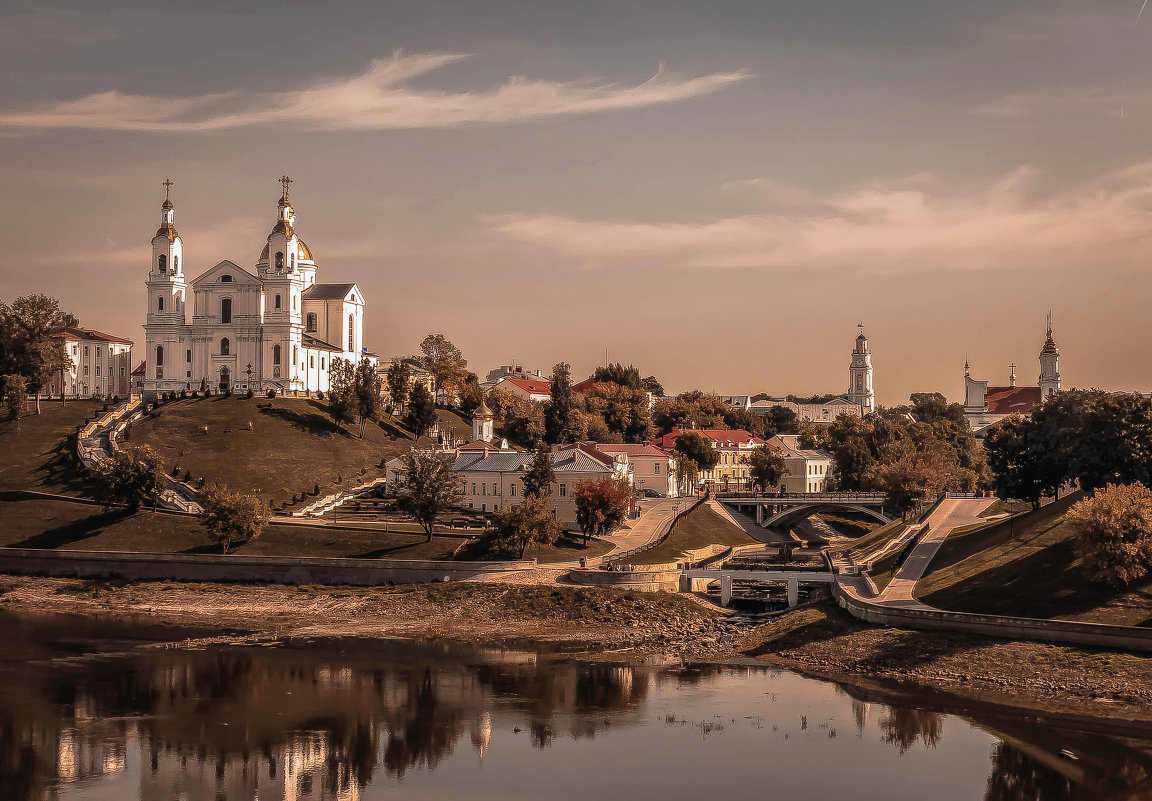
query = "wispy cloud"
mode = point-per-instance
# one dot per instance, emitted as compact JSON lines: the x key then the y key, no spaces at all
{"x":891,"y":227}
{"x":376,"y":99}
{"x":1064,"y":100}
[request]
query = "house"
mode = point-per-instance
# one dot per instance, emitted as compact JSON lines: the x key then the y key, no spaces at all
{"x":820,"y":413}
{"x":531,"y":389}
{"x":508,"y":371}
{"x":651,"y":467}
{"x":807,"y":468}
{"x":734,"y":445}
{"x":99,"y":365}
{"x":986,"y":405}
{"x":416,"y":375}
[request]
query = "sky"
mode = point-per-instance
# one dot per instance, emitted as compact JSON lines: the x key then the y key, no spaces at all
{"x":717,"y":192}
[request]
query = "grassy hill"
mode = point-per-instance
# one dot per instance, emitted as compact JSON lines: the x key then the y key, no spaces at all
{"x":291,"y":447}
{"x":699,"y":528}
{"x":36,"y":457}
{"x":1027,"y":566}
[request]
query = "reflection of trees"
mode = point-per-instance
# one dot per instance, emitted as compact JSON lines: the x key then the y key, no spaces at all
{"x":1017,"y":777}
{"x":903,"y":727}
{"x":425,"y":733}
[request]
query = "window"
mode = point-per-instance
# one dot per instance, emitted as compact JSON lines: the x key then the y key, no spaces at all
{"x":175,"y":264}
{"x":311,"y":361}
{"x":484,"y":488}
{"x":293,"y":303}
{"x":159,"y":355}
{"x":98,"y":349}
{"x":656,"y":469}
{"x":563,"y":490}
{"x":277,"y":301}
{"x":310,"y":322}
{"x":473,"y":487}
{"x":225,"y":279}
{"x":512,"y":490}
{"x":276,"y":355}
{"x":292,"y":260}
{"x":85,"y":351}
{"x":351,"y":341}
{"x":295,"y":354}
{"x":85,"y":369}
{"x":162,"y":263}
{"x":226,"y":310}
{"x":97,"y":369}
{"x":321,"y":362}
{"x":75,"y":349}
{"x":188,"y":356}
{"x":121,"y":372}
{"x":160,"y":303}
{"x":225,"y":347}
{"x":279,"y":262}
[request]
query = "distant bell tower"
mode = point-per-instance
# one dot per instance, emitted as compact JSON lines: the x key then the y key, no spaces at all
{"x":164,"y":322}
{"x":1049,"y":365}
{"x":482,"y":423}
{"x":860,"y":374}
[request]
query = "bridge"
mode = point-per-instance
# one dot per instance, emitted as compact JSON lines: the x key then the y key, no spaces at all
{"x":791,"y":578}
{"x":786,"y":509}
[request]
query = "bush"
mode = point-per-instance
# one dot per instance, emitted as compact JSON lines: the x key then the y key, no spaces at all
{"x":271,"y":393}
{"x":187,"y":476}
{"x":115,"y":399}
{"x":320,"y":394}
{"x":249,"y":394}
{"x":316,"y":490}
{"x":1114,"y":533}
{"x":183,"y":394}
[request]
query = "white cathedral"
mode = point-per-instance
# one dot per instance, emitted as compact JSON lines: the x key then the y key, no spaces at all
{"x":272,"y":328}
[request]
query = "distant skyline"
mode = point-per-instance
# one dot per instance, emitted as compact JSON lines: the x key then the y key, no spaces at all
{"x":715,"y":192}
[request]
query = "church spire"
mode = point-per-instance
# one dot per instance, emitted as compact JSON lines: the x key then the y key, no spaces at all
{"x":1049,"y":364}
{"x":167,"y":228}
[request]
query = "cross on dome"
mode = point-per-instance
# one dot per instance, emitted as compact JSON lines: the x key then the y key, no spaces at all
{"x":284,"y":182}
{"x":167,"y":183}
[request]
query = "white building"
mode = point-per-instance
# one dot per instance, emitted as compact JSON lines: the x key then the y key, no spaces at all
{"x":531,"y":389}
{"x":807,"y":469}
{"x":985,"y":405}
{"x":651,"y":468}
{"x":100,"y":364}
{"x":273,"y":327}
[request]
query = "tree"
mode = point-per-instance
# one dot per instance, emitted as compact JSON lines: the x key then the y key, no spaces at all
{"x":624,"y":410}
{"x":366,"y":391}
{"x":421,"y":411}
{"x":228,"y":516}
{"x":519,"y":526}
{"x":131,"y":477}
{"x":558,"y":410}
{"x":471,"y":395}
{"x":686,"y":472}
{"x":602,"y":505}
{"x":399,"y":377}
{"x":911,"y":474}
{"x":446,"y":364}
{"x":540,"y":476}
{"x":431,"y":487}
{"x":617,"y":373}
{"x":767,"y":467}
{"x":1018,"y":462}
{"x":1114,"y":533}
{"x":698,"y":449}
{"x":15,"y":396}
{"x":29,"y":341}
{"x":652,"y":385}
{"x":341,"y":390}
{"x":694,"y":409}
{"x":780,"y":420}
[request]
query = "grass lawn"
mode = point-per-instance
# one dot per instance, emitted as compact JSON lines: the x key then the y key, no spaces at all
{"x":1028,"y":567}
{"x":863,"y":548}
{"x":848,"y":523}
{"x":701,"y":527}
{"x":36,"y":457}
{"x":569,"y":548}
{"x":1009,"y":507}
{"x":292,"y":446}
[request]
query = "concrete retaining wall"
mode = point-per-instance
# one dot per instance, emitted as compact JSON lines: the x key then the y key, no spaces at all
{"x":212,"y":567}
{"x":645,"y":580}
{"x":1017,"y":628}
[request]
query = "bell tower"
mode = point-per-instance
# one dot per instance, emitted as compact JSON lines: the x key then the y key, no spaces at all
{"x":482,"y":423}
{"x":860,"y":374}
{"x":1049,"y":365}
{"x":164,"y":323}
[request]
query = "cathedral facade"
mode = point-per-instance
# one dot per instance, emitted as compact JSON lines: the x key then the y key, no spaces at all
{"x":269,"y":328}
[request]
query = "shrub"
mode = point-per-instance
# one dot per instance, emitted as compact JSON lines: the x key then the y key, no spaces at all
{"x":249,"y":394}
{"x":183,"y":394}
{"x":1114,"y":533}
{"x":271,"y":393}
{"x":187,"y":476}
{"x":316,"y":490}
{"x":320,"y":394}
{"x":115,"y":399}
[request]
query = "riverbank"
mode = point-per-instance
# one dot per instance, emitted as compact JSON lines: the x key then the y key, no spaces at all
{"x":820,"y":641}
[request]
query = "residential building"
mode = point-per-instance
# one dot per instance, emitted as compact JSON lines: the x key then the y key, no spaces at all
{"x":734,"y":445}
{"x":99,"y":365}
{"x":985,"y":405}
{"x":416,"y":375}
{"x":532,"y":389}
{"x":807,"y":468}
{"x":273,"y":327}
{"x":509,"y":371}
{"x":819,"y":413}
{"x":651,"y":468}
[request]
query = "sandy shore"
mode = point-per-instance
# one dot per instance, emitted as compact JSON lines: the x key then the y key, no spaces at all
{"x":819,"y":641}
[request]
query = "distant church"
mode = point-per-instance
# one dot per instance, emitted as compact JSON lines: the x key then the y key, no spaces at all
{"x":272,"y":328}
{"x":985,"y":405}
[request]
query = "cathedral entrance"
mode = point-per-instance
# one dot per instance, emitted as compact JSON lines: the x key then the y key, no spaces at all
{"x":225,"y":380}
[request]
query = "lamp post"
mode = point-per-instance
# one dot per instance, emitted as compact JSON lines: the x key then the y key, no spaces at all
{"x":249,"y":375}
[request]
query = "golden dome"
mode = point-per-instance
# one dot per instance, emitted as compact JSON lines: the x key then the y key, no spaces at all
{"x":483,"y":413}
{"x":305,"y":253}
{"x":168,"y":231}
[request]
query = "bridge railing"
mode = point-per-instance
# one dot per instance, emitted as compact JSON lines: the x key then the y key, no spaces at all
{"x":847,"y":497}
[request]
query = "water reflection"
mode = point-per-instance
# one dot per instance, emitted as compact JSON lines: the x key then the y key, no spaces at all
{"x":335,"y":720}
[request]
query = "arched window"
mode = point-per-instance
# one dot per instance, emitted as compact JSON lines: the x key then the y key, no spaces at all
{"x":276,"y":355}
{"x":310,"y":322}
{"x":279,"y":262}
{"x":351,"y":331}
{"x":292,"y":260}
{"x":160,"y":303}
{"x":225,"y":279}
{"x":226,"y":310}
{"x":162,"y":262}
{"x":159,"y":355}
{"x":175,"y":264}
{"x":277,"y":301}
{"x":295,"y":354}
{"x":293,"y":303}
{"x":225,"y":347}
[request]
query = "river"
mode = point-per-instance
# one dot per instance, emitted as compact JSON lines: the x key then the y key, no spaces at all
{"x":114,"y":711}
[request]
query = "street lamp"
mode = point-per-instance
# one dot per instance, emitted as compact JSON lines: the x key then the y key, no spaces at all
{"x":249,"y":375}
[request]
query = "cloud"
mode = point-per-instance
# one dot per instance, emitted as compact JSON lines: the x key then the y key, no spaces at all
{"x":1078,"y":100}
{"x":374,"y":100}
{"x":900,"y":226}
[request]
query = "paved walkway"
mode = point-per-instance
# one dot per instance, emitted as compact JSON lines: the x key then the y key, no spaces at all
{"x":951,"y":514}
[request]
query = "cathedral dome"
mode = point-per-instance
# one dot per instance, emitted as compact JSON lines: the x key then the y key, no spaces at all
{"x":305,"y":252}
